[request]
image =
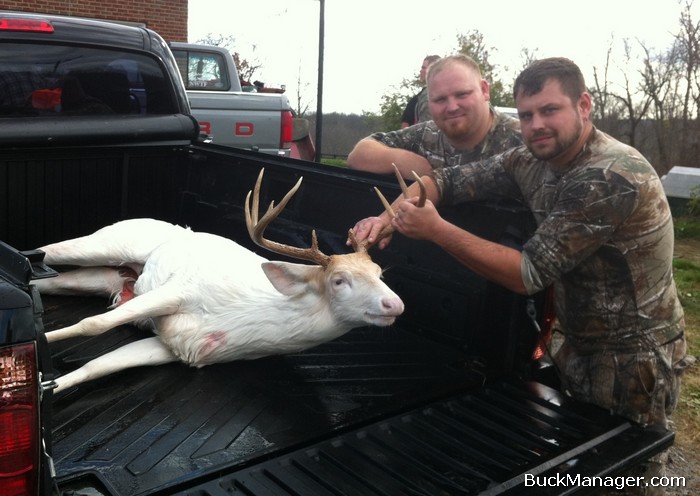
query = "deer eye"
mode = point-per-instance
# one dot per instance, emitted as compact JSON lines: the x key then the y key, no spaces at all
{"x":339,"y":280}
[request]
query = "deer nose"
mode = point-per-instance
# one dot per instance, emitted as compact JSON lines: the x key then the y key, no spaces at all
{"x":393,"y":305}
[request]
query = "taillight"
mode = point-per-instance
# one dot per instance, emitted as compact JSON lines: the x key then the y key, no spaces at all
{"x":33,"y":25}
{"x":19,"y":421}
{"x":286,"y":131}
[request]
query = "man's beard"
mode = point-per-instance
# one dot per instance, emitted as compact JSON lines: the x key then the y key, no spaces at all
{"x":560,"y":145}
{"x":457,"y":130}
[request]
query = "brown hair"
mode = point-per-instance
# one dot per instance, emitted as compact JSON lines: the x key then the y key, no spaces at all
{"x":533,"y":77}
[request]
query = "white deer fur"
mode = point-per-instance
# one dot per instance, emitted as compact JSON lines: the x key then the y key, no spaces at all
{"x":208,"y":299}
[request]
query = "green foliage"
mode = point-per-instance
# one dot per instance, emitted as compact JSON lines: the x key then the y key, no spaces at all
{"x":335,"y":162}
{"x":391,"y":110}
{"x":373,"y":122}
{"x":473,"y":45}
{"x":687,"y":227}
{"x":687,"y":277}
{"x":393,"y":104}
{"x":691,"y":398}
{"x":693,"y":205}
{"x":686,"y":273}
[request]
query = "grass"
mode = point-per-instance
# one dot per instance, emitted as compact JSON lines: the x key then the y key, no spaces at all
{"x":686,"y":270}
{"x":687,"y":227}
{"x":336,"y":162}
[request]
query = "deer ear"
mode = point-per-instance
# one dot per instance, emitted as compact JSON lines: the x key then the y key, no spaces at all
{"x":291,"y":279}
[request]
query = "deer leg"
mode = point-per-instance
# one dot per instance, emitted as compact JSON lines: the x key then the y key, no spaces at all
{"x":160,"y":301}
{"x":129,"y":241}
{"x":98,"y":281}
{"x":92,"y":250}
{"x":149,"y":351}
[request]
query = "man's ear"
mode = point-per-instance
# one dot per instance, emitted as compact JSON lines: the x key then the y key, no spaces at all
{"x":486,"y":89}
{"x":585,"y":104}
{"x":292,"y":279}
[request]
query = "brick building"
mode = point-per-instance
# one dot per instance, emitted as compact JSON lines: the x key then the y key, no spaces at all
{"x":167,"y":17}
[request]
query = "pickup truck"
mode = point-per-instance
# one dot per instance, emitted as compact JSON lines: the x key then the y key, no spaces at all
{"x":256,"y":120}
{"x":450,"y":400}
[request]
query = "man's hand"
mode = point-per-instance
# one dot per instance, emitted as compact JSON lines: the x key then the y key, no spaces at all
{"x":416,"y":222}
{"x":369,"y":229}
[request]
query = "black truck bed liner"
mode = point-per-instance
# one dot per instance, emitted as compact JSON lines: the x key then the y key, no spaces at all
{"x":145,"y":428}
{"x":479,"y":443}
{"x":326,"y":421}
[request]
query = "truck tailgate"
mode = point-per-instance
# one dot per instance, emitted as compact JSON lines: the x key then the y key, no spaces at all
{"x":326,"y":421}
{"x":493,"y":441}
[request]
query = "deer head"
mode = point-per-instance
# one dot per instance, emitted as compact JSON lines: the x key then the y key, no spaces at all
{"x":350,"y":281}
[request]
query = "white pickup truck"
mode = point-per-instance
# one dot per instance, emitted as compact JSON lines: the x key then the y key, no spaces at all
{"x":260,"y":121}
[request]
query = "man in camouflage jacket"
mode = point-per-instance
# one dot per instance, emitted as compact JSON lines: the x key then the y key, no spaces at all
{"x":464,"y":128}
{"x":604,"y":241}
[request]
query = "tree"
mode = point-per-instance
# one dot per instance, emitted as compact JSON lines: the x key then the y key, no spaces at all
{"x":660,"y":86}
{"x":302,"y":105}
{"x":473,"y":45}
{"x":606,"y":108}
{"x":630,"y":95}
{"x":392,"y":107}
{"x":246,"y":68}
{"x":686,"y":56}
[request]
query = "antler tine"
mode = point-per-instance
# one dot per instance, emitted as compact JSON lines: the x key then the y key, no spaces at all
{"x":256,"y":227}
{"x":423,"y":192}
{"x":385,"y":202}
{"x":422,"y":195}
{"x":402,"y":183}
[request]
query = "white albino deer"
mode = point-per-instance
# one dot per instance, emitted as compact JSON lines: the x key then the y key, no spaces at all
{"x":210,"y":300}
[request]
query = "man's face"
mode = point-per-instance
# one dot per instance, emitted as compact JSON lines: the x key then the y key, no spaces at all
{"x":458,"y":101}
{"x":550,"y":123}
{"x":424,"y":70}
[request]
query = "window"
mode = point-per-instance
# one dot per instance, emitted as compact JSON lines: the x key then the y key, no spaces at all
{"x":51,"y":80}
{"x":202,"y":71}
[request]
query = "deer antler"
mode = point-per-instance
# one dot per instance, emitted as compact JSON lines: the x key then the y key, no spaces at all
{"x":365,"y":245}
{"x":256,"y":227}
{"x":421,"y":197}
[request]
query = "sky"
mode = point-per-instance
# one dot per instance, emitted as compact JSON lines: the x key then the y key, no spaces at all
{"x":371,"y":46}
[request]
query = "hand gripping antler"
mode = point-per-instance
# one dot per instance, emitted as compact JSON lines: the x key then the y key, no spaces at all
{"x":388,"y":230}
{"x":256,"y":227}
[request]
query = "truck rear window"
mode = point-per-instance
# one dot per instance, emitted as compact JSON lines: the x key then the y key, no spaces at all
{"x":52,"y":80}
{"x":202,"y":71}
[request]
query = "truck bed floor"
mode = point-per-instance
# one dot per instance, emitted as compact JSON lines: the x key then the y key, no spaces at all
{"x":345,"y":418}
{"x":146,"y":428}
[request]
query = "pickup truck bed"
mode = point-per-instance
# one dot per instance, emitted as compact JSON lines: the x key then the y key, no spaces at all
{"x":349,"y":417}
{"x":352,"y":416}
{"x":446,"y":401}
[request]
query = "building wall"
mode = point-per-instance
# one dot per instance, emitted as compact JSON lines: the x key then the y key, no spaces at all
{"x":167,"y":17}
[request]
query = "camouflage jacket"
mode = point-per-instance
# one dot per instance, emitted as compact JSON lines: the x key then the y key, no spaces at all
{"x":604,"y":239}
{"x":426,"y":140}
{"x":422,"y":107}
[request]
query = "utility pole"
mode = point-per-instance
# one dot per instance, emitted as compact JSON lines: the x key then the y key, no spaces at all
{"x":319,"y":95}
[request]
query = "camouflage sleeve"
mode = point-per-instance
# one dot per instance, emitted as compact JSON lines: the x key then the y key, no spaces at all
{"x":409,"y":138}
{"x":587,"y":211}
{"x":486,"y":179}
